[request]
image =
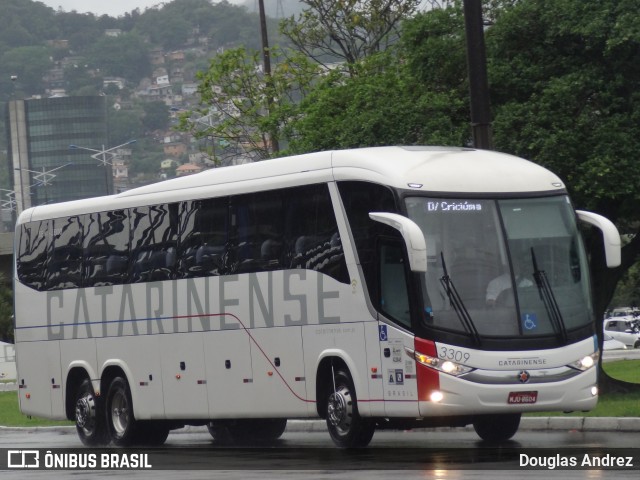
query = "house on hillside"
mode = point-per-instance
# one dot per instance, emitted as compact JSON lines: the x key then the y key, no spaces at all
{"x":188,"y":169}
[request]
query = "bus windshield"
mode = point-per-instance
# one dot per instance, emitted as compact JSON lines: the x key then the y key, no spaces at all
{"x":503,"y":268}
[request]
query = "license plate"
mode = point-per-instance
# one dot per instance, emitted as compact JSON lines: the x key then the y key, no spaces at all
{"x":522,"y":398}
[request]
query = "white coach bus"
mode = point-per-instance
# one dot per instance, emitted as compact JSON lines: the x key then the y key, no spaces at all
{"x":375,"y":288}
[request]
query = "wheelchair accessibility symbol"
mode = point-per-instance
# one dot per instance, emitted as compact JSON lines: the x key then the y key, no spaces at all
{"x":530,"y":321}
{"x":382,"y":333}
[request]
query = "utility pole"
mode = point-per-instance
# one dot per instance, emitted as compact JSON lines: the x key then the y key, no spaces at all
{"x":478,"y":83}
{"x":267,"y":71}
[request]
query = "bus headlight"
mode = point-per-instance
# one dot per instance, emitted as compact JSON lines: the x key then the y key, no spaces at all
{"x":586,"y":363}
{"x":445,"y":366}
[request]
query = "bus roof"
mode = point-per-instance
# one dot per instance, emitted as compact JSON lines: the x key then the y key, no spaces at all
{"x":425,"y":169}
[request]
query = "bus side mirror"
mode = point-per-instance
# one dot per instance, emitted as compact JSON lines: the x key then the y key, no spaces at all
{"x":412,"y":235}
{"x":610,"y":234}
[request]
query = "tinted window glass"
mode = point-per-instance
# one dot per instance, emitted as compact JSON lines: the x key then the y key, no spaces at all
{"x":106,"y":248}
{"x":312,"y":239}
{"x":64,"y":268}
{"x":154,"y":242}
{"x":258,"y":230}
{"x":360,"y":198}
{"x":32,"y":254}
{"x":203,"y":234}
{"x":394,"y":296}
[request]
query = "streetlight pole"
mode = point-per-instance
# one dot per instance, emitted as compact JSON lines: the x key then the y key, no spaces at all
{"x":42,"y":178}
{"x":101,"y":156}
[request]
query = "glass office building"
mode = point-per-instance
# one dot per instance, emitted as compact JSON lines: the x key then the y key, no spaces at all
{"x":44,"y":168}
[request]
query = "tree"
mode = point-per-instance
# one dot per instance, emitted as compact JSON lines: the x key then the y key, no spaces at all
{"x":415,"y":92}
{"x":156,"y":116}
{"x":6,"y":311}
{"x":124,"y":125}
{"x":29,"y":64}
{"x":234,"y":99}
{"x":124,"y":56}
{"x":346,"y":30}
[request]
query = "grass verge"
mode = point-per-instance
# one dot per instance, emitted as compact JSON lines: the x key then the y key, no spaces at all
{"x":10,"y":415}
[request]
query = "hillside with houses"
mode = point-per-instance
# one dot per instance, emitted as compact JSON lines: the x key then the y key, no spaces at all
{"x":146,"y":63}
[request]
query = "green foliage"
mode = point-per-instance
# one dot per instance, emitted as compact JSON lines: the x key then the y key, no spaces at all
{"x":566,"y":78}
{"x":124,"y":125}
{"x":156,"y":116}
{"x":628,"y":290}
{"x":29,"y":64}
{"x":10,"y":415}
{"x":347,"y":30}
{"x":78,"y":77}
{"x":124,"y":56}
{"x":241,"y":106}
{"x":410,"y":94}
{"x":6,"y":311}
{"x":27,"y":23}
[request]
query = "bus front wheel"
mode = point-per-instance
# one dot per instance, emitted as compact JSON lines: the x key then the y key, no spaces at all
{"x":346,"y":427}
{"x":497,"y":428}
{"x":89,"y":416}
{"x":121,"y":423}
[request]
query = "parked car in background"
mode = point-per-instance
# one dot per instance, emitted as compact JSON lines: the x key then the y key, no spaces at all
{"x":611,"y":343}
{"x":623,"y":329}
{"x":624,"y":312}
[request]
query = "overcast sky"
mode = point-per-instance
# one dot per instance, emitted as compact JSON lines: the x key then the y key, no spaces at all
{"x":113,"y":8}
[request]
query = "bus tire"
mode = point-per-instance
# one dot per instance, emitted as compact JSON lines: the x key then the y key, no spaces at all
{"x":268,"y":429}
{"x":346,"y":427}
{"x":247,"y":431}
{"x":121,"y":423}
{"x":90,"y":417}
{"x":152,"y":434}
{"x":219,"y":431}
{"x":496,"y":428}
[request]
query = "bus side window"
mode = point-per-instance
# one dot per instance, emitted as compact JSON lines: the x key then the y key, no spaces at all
{"x":106,"y":248}
{"x":203,"y":238}
{"x":257,"y":240}
{"x":312,"y":239}
{"x":64,"y":268}
{"x":154,"y":239}
{"x":32,"y":254}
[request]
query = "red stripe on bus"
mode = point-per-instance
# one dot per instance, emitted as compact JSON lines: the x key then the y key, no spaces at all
{"x":428,"y":378}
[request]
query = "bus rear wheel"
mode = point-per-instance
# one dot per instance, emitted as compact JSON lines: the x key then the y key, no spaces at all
{"x":121,"y":424}
{"x":346,"y":427}
{"x":89,"y":416}
{"x":151,"y":433}
{"x":497,"y":428}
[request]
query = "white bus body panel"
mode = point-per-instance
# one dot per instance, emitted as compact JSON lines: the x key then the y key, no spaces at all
{"x":184,"y":379}
{"x":41,"y":394}
{"x":229,"y":388}
{"x":279,"y":391}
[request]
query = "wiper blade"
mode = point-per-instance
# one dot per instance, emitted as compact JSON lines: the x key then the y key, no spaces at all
{"x":458,"y":304}
{"x":549,"y":299}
